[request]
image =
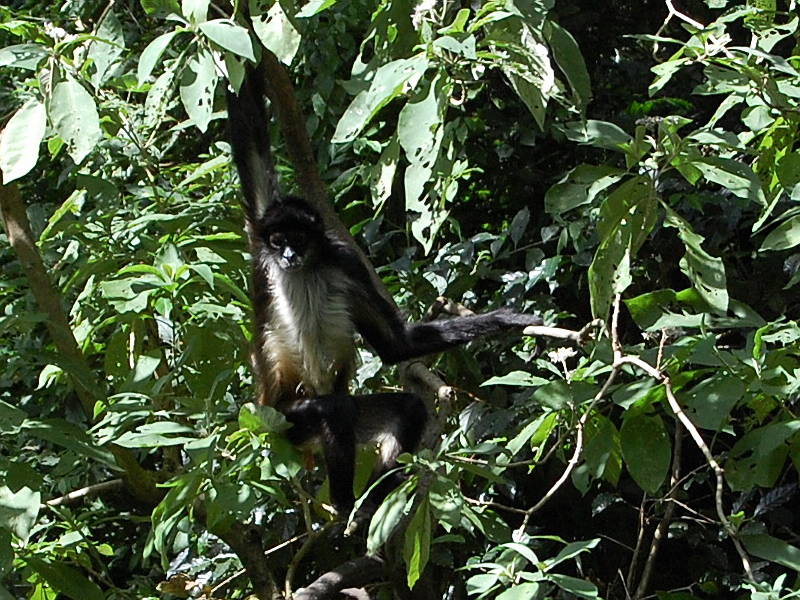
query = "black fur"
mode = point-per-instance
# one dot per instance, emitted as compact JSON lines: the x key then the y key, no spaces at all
{"x":312,"y":294}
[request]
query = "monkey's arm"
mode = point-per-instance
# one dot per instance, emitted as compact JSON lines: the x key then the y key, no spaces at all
{"x":248,"y":132}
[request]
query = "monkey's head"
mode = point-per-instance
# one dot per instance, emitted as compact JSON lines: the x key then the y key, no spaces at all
{"x":293,"y":232}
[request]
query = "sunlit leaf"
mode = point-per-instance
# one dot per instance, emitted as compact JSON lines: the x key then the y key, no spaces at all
{"x":73,"y":113}
{"x":21,"y":139}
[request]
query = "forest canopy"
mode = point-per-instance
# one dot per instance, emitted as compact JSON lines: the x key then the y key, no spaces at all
{"x":629,"y":171}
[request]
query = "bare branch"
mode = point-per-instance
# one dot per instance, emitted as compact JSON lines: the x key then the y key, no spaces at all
{"x":353,"y":574}
{"x":90,"y":490}
{"x":576,"y":337}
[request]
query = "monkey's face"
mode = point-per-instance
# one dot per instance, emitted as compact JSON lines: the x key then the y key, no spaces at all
{"x":291,"y":249}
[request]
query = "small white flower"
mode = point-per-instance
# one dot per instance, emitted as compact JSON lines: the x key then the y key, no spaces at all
{"x":420,"y":11}
{"x":560,"y":355}
{"x":57,"y":33}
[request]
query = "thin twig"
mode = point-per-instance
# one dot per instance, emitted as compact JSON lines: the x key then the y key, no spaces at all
{"x":89,"y":490}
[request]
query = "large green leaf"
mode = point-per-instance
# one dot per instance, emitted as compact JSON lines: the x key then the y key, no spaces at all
{"x":19,"y":511}
{"x":526,"y":62}
{"x":710,"y":403}
{"x":387,"y":517}
{"x":275,"y":30}
{"x":107,"y":48}
{"x":23,"y":56}
{"x":389,"y":81}
{"x":417,"y":546}
{"x":66,"y":579}
{"x":580,"y":186}
{"x":601,"y":134}
{"x":784,"y":236}
{"x":733,"y":175}
{"x":22,"y":136}
{"x":772,"y":549}
{"x":706,"y":272}
{"x":418,"y":131}
{"x":758,"y":457}
{"x":569,"y":59}
{"x":646,"y":449}
{"x":226,"y":34}
{"x":73,"y":114}
{"x":626,"y":218}
{"x":198,"y":81}
{"x":152,"y":54}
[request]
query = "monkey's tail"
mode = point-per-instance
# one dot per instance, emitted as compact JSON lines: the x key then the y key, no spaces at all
{"x":248,"y":131}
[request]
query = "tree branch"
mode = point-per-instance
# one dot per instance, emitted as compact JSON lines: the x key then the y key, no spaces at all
{"x":352,"y":574}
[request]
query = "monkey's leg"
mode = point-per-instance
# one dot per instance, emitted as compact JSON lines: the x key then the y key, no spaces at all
{"x":397,"y":422}
{"x":331,"y":421}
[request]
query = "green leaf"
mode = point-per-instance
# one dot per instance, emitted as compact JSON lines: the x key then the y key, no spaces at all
{"x":107,"y":48}
{"x":152,"y":54}
{"x":72,"y":437}
{"x":571,"y":550}
{"x":195,"y":11}
{"x":66,"y":579}
{"x":646,"y":449}
{"x":710,"y":403}
{"x":226,"y":34}
{"x":732,"y":175}
{"x":314,"y":7}
{"x":706,"y":272}
{"x":481,"y":583}
{"x":154,"y":435}
{"x":22,"y":136}
{"x":600,"y":134}
{"x":161,"y":8}
{"x":579,"y":587}
{"x":198,"y":81}
{"x":626,"y":218}
{"x":772,"y":549}
{"x":580,"y":186}
{"x":417,"y":544}
{"x":389,"y":81}
{"x":446,"y":501}
{"x":23,"y":56}
{"x":275,"y":31}
{"x":757,"y":458}
{"x":569,"y":59}
{"x":387,"y":516}
{"x":525,"y":60}
{"x":74,"y":116}
{"x":602,"y":454}
{"x":516,"y":378}
{"x":524,"y":591}
{"x":420,"y":136}
{"x":784,"y":236}
{"x":19,"y":511}
{"x":261,"y":419}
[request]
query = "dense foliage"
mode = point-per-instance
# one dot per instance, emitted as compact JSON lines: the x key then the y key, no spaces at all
{"x":627,"y":162}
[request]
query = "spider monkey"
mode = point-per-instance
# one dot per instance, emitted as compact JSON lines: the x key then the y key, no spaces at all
{"x":311,"y":294}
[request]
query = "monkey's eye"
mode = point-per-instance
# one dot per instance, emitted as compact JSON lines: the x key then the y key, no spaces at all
{"x":277,"y":240}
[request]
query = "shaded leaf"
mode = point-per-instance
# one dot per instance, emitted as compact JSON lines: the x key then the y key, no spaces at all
{"x":646,"y":449}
